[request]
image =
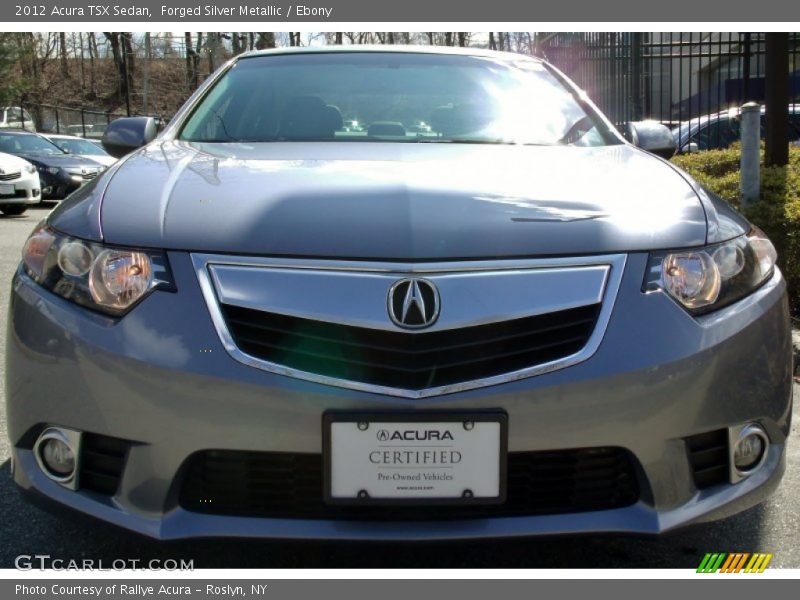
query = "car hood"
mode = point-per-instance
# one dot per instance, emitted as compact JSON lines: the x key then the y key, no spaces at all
{"x":59,"y":160}
{"x":10,"y":163}
{"x":105,"y":161}
{"x":393,"y":201}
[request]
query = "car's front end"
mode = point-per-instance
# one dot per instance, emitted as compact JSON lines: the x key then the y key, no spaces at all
{"x":61,"y":178}
{"x":339,"y":339}
{"x":19,"y":184}
{"x":60,"y":173}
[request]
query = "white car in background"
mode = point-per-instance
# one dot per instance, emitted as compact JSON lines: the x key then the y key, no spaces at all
{"x":19,"y":185}
{"x":16,"y":117}
{"x":82,"y":147}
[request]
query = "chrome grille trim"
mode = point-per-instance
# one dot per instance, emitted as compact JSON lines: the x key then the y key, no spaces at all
{"x":616,"y":262}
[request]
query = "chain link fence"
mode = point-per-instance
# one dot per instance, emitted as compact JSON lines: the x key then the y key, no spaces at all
{"x":70,"y":121}
{"x":80,"y":122}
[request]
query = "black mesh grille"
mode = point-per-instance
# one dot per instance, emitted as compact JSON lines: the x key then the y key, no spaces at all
{"x":410,"y":360}
{"x":102,"y":463}
{"x":708,"y":458}
{"x":285,"y":485}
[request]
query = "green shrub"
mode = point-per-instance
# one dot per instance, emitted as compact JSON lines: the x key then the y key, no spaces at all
{"x":777,"y":212}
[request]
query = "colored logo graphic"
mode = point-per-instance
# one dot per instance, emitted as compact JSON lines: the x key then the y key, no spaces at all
{"x":737,"y":562}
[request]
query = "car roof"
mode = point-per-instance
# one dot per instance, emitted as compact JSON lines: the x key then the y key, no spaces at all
{"x":391,"y":49}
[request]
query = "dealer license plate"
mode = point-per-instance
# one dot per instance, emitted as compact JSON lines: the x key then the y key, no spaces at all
{"x":7,"y":190}
{"x":420,"y":458}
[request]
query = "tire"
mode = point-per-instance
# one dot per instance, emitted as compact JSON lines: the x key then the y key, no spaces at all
{"x":13,"y":210}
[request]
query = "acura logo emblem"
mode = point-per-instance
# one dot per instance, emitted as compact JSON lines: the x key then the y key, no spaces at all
{"x":413,"y":303}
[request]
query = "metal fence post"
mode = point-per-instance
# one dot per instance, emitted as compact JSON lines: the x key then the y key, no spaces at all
{"x":636,"y":74}
{"x":777,"y":99}
{"x":750,"y":177}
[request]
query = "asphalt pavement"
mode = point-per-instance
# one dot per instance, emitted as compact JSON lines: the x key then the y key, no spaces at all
{"x":26,"y":530}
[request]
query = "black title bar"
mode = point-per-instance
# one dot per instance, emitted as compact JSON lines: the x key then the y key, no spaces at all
{"x":439,"y":11}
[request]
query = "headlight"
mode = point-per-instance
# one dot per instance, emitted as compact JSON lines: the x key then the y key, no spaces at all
{"x":51,"y":170}
{"x":705,"y":279}
{"x":106,"y":279}
{"x":30,"y":169}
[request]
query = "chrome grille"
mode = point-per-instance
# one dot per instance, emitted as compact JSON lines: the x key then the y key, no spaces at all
{"x":329,"y":321}
{"x":406,"y":360}
{"x":10,"y":176}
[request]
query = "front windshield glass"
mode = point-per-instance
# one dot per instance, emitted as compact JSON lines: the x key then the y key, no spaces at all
{"x":79,"y":147}
{"x":402,"y":97}
{"x":27,"y":144}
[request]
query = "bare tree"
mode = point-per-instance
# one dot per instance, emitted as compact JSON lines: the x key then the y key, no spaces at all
{"x":214,"y":50}
{"x":83,"y":65}
{"x":266,"y":39}
{"x":191,"y":61}
{"x":120,"y":63}
{"x":62,"y":51}
{"x":92,"y":57}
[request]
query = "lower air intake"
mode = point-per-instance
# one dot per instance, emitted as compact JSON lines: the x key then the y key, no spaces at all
{"x":287,"y":485}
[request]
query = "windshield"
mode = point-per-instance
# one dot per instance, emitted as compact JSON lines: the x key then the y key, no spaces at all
{"x":403,"y":97}
{"x":79,"y":147}
{"x":27,"y":144}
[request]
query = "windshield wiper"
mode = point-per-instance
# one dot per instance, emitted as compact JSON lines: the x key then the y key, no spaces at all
{"x":458,"y":141}
{"x":224,"y":129}
{"x":211,"y":141}
{"x":489,"y":142}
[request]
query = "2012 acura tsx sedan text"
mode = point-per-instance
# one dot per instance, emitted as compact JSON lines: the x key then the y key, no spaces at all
{"x":474,"y":311}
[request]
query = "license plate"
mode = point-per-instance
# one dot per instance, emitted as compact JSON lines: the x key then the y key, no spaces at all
{"x":7,"y":190}
{"x":418,"y":458}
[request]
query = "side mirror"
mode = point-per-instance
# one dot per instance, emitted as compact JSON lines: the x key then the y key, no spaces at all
{"x":653,"y":137}
{"x":123,"y":136}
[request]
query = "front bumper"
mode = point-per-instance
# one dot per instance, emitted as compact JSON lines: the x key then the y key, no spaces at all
{"x":60,"y":185}
{"x":27,"y":190}
{"x":161,"y":377}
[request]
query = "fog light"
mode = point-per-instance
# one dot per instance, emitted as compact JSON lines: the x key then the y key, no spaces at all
{"x":750,"y":449}
{"x":58,"y":457}
{"x":56,"y":453}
